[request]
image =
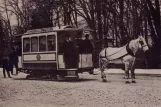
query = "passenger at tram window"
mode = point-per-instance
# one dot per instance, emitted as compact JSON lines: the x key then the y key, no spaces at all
{"x":42,"y":42}
{"x":34,"y":44}
{"x":26,"y":45}
{"x":51,"y":43}
{"x":87,"y":45}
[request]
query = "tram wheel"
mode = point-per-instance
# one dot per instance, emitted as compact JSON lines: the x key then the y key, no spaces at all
{"x":60,"y":78}
{"x":91,"y":71}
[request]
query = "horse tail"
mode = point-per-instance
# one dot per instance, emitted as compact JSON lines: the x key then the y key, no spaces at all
{"x":99,"y":60}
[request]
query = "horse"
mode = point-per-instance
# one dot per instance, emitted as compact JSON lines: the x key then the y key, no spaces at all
{"x":127,"y":54}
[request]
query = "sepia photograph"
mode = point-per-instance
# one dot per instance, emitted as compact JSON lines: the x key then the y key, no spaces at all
{"x":80,"y":53}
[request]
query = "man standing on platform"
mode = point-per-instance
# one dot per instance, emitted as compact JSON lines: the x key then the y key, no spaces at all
{"x":71,"y":55}
{"x":88,"y":47}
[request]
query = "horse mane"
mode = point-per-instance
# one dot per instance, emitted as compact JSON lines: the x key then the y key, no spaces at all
{"x":134,"y":45}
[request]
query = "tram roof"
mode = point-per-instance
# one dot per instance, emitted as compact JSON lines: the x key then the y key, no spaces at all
{"x":56,"y":29}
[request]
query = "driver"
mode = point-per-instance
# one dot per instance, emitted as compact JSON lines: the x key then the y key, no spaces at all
{"x":70,"y":53}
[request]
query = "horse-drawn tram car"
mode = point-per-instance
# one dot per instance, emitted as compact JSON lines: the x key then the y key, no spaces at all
{"x":55,"y":52}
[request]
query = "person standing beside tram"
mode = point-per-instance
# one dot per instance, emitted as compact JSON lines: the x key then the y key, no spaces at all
{"x":6,"y":66}
{"x":71,"y":55}
{"x":6,"y":62}
{"x":14,"y":60}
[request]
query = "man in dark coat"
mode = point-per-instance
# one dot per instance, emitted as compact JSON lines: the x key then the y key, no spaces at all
{"x":88,"y":47}
{"x":14,"y":59}
{"x":71,"y":55}
{"x":80,"y":45}
{"x":6,"y":66}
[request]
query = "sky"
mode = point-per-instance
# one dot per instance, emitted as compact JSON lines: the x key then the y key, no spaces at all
{"x":12,"y":18}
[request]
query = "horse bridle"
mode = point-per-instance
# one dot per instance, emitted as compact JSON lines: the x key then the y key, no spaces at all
{"x":142,"y":44}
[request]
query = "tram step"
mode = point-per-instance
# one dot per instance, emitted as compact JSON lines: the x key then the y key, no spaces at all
{"x":71,"y":76}
{"x":72,"y":73}
{"x":63,"y":78}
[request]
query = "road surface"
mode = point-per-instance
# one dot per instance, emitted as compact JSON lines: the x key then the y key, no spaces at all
{"x":88,"y":91}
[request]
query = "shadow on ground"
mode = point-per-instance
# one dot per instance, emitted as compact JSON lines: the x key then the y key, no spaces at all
{"x":55,"y":80}
{"x":151,"y":75}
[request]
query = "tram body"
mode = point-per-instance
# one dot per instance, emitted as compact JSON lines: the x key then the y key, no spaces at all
{"x":42,"y":53}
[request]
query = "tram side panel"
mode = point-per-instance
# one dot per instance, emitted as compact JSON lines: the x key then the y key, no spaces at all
{"x":42,"y":63}
{"x":85,"y":61}
{"x":36,"y":59}
{"x":19,"y":62}
{"x":61,"y":64}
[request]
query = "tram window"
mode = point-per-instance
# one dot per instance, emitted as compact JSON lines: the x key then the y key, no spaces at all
{"x":42,"y":43}
{"x":51,"y":42}
{"x":34,"y":44}
{"x":26,"y":44}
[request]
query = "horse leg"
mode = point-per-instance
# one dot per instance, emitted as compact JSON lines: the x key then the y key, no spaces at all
{"x":102,"y":68}
{"x":132,"y":69}
{"x":103,"y":75}
{"x":133,"y":74}
{"x":127,"y":73}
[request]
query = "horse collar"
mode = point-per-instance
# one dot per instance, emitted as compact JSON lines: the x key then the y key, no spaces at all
{"x":129,"y":51}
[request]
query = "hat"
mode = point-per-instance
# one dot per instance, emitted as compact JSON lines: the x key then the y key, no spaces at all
{"x":87,"y":35}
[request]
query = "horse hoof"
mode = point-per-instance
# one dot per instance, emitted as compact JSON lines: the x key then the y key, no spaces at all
{"x":133,"y":81}
{"x":104,"y":80}
{"x":28,"y":76}
{"x":127,"y":82}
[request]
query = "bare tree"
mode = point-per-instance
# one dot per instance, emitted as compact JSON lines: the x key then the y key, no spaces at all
{"x":152,"y":8}
{"x":21,"y":9}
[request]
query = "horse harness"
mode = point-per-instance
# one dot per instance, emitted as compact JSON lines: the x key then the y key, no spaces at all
{"x":129,"y":52}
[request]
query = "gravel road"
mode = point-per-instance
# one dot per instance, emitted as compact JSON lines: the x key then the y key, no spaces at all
{"x":89,"y":91}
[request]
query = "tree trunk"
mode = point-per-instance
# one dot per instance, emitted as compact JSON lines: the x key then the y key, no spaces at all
{"x":121,"y":23}
{"x":155,"y":25}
